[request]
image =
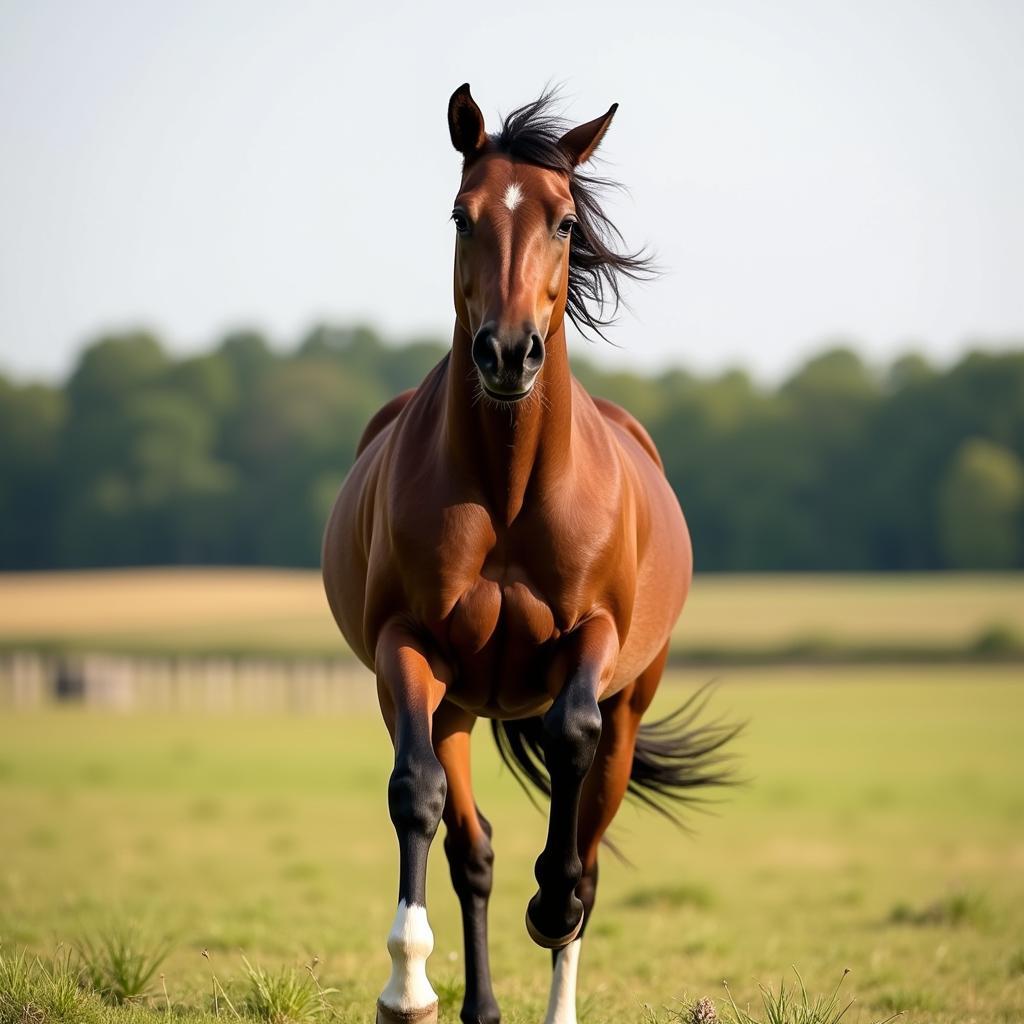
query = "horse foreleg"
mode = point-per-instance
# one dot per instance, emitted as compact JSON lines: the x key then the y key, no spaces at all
{"x":603,"y":792}
{"x":409,"y":694}
{"x":570,"y":735}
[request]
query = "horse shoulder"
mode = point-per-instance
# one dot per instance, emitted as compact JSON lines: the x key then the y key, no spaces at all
{"x":350,"y":558}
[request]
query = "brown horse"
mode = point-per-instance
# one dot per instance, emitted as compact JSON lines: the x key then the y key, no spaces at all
{"x":506,"y":546}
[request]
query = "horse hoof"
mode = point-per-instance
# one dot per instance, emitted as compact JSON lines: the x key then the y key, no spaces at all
{"x":545,"y":941}
{"x":385,"y":1015}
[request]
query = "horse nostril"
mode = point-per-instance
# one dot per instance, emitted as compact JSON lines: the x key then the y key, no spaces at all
{"x":486,"y":351}
{"x":535,"y":353}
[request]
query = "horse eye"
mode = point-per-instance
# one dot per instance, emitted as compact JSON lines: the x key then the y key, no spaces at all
{"x":565,"y":227}
{"x":461,"y":223}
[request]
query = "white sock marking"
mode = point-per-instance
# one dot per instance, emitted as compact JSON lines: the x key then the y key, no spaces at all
{"x":562,"y":1001}
{"x":513,"y":196}
{"x":410,"y":942}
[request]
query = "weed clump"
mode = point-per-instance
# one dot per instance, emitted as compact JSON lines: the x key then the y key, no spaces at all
{"x":119,"y":968}
{"x":795,"y":1006}
{"x":285,"y":996}
{"x":33,"y":991}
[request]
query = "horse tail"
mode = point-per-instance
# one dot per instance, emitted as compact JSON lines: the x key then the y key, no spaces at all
{"x":519,"y":745}
{"x":676,"y":758}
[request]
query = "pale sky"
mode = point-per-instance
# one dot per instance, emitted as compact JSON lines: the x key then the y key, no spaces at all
{"x":802,"y":169}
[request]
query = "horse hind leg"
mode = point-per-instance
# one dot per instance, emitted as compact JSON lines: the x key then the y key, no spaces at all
{"x":470,"y":860}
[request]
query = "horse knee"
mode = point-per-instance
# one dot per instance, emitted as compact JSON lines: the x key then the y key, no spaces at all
{"x":416,"y":793}
{"x":572,"y":729}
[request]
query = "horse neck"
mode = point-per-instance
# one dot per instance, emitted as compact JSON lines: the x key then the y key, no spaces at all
{"x":510,"y":451}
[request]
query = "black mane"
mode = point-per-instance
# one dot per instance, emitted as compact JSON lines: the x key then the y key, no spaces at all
{"x":531,"y":133}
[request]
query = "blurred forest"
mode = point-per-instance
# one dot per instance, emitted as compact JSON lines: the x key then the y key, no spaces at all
{"x":234,"y":457}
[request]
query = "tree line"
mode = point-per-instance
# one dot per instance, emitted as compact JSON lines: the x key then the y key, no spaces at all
{"x":234,"y":456}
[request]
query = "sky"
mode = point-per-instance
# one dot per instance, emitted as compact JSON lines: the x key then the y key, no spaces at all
{"x":804,"y":171}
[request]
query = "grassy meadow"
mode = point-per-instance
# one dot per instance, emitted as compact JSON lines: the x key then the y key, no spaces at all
{"x":880,"y":827}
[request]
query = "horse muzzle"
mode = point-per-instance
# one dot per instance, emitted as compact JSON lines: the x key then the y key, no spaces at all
{"x":508,"y":364}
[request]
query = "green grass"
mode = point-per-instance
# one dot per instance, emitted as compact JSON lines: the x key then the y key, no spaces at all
{"x":35,"y":990}
{"x":120,"y":967}
{"x":882,"y":830}
{"x":285,"y":995}
{"x":793,"y":1005}
{"x":787,"y":1004}
{"x":728,"y":617}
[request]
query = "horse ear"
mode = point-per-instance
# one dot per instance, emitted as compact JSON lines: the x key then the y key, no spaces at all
{"x":581,"y":141}
{"x":465,"y":122}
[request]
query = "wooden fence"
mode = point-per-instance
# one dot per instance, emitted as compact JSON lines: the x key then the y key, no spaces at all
{"x":208,"y":684}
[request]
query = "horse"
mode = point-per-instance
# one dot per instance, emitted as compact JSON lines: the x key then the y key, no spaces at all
{"x":507,"y":546}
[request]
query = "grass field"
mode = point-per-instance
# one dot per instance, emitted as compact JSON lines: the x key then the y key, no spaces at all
{"x":727,"y":616}
{"x":882,"y":830}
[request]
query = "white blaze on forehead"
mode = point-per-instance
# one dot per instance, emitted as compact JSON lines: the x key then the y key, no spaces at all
{"x":410,"y":942}
{"x":513,"y":196}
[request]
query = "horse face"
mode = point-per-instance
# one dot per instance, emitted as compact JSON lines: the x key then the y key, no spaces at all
{"x":513,"y":222}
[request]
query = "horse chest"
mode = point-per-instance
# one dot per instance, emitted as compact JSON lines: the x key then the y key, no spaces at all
{"x":505,"y":612}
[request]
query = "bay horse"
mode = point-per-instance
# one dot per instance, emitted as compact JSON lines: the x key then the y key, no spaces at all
{"x":507,"y":546}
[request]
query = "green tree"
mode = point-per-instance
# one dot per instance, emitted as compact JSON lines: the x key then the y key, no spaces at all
{"x":295,"y":439}
{"x":234,"y":456}
{"x":30,"y":423}
{"x":981,"y":502}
